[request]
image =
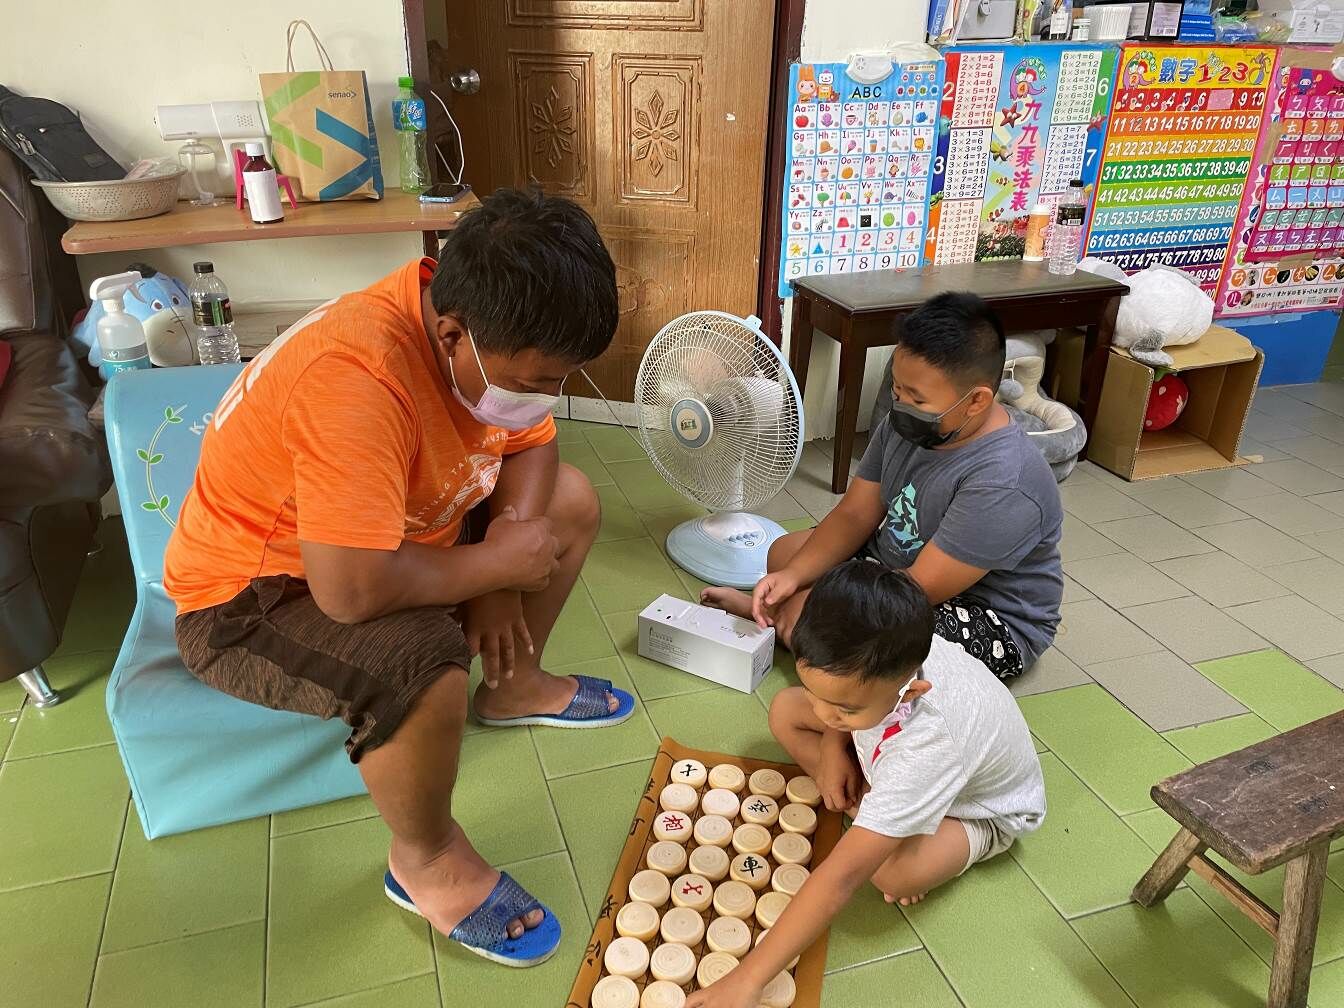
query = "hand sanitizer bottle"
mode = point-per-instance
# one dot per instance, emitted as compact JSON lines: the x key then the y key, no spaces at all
{"x":120,"y":335}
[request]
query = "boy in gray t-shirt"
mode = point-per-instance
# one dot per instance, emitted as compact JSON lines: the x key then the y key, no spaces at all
{"x":946,"y":774}
{"x":950,"y":490}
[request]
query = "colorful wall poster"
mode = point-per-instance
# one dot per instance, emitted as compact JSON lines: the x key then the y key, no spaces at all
{"x":1017,"y":124}
{"x":1289,"y":236}
{"x":1182,"y":132}
{"x":860,"y":167}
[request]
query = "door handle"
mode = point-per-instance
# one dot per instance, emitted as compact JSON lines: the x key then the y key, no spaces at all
{"x":465,"y":81}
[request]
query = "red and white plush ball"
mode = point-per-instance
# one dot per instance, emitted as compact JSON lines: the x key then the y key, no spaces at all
{"x":1166,"y":402}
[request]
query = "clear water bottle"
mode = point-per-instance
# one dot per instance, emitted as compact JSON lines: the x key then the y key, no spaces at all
{"x":1066,"y":236}
{"x":216,"y":342}
{"x":408,"y":116}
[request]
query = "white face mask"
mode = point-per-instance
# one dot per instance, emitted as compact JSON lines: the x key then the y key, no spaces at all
{"x":500,"y":407}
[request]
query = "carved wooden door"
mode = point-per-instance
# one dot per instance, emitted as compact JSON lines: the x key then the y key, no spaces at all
{"x":652,"y":115}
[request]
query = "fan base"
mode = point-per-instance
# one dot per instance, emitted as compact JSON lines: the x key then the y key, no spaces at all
{"x":727,"y":548}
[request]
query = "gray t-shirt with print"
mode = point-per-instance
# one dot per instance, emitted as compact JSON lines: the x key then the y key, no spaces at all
{"x":991,"y":503}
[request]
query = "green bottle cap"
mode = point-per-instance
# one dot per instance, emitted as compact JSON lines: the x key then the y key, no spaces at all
{"x":406,"y":82}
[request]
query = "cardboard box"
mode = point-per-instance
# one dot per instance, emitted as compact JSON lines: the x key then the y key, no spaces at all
{"x":1221,"y":369}
{"x":706,"y":642}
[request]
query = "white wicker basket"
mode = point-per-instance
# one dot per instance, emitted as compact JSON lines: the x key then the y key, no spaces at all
{"x":114,"y":201}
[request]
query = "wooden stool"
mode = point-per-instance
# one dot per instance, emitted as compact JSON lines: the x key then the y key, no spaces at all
{"x":1281,"y":800}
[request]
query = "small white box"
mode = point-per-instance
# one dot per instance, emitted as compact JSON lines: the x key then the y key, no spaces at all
{"x":706,"y":642}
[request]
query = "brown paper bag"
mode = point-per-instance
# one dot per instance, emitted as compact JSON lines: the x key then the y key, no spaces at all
{"x":322,"y":127}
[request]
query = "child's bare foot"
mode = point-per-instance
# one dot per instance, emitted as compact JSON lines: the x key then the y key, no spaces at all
{"x":904,"y":900}
{"x":730,"y":600}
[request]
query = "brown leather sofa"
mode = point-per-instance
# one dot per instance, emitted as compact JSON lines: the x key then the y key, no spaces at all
{"x":53,"y":463}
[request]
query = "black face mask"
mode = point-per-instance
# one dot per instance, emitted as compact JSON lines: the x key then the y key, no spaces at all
{"x":922,"y":428}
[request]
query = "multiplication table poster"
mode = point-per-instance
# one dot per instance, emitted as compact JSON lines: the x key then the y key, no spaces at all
{"x":1287,"y":246}
{"x":1182,"y":133}
{"x":1018,"y":124}
{"x":860,"y":168}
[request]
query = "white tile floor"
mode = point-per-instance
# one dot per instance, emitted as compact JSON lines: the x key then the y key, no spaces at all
{"x":1184,"y":569}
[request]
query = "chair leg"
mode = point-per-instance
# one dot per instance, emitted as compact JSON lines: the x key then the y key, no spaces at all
{"x":1303,"y":889}
{"x":1168,"y":870}
{"x":39,"y":690}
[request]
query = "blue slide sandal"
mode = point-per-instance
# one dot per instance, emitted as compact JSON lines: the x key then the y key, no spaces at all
{"x":588,"y":709}
{"x":485,"y":930}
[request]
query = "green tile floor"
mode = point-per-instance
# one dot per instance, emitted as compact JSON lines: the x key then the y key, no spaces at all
{"x":289,"y":911}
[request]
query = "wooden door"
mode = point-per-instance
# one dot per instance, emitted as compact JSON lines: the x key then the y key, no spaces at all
{"x":652,"y":114}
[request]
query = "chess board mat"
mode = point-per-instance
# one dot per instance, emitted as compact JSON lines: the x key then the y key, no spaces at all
{"x":807,"y":974}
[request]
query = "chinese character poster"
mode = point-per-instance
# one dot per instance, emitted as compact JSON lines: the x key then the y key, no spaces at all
{"x":1016,"y":125}
{"x":1182,"y":132}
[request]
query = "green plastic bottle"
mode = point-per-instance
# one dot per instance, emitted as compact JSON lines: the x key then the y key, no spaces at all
{"x":408,"y":116}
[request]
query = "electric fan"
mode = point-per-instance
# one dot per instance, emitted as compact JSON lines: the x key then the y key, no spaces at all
{"x":721,"y":419}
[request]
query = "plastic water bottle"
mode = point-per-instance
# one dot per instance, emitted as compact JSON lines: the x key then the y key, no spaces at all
{"x":408,"y":116}
{"x":216,"y":342}
{"x":1066,"y":236}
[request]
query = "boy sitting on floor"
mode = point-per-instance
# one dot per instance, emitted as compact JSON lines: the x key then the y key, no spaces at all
{"x":950,"y":772}
{"x":951,"y":490}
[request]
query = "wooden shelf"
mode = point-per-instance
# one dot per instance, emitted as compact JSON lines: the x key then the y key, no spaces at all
{"x":190,"y":225}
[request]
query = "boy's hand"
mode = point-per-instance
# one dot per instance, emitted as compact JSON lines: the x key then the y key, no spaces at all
{"x":770,"y":593}
{"x":491,"y":624}
{"x":839,"y":778}
{"x":528,"y":549}
{"x":732,"y":991}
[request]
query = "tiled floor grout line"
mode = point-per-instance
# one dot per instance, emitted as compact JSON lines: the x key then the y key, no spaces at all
{"x":107,"y":907}
{"x":363,"y":990}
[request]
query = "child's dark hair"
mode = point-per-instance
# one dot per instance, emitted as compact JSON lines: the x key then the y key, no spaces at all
{"x":864,"y":619}
{"x":959,"y":334}
{"x":529,"y":271}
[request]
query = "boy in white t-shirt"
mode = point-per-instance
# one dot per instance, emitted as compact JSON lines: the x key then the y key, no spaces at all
{"x":916,"y":739}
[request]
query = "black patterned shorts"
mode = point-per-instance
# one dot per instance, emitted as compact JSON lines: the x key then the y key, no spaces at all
{"x":981,"y":633}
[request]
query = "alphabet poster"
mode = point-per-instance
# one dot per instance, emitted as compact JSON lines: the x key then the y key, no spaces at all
{"x":1179,"y":144}
{"x":860,"y":169}
{"x":1017,"y":124}
{"x":1287,"y":246}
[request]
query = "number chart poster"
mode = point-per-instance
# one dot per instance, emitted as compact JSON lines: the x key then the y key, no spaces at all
{"x":1018,"y":123}
{"x":1182,"y":133}
{"x":1285,"y":255}
{"x":860,"y":170}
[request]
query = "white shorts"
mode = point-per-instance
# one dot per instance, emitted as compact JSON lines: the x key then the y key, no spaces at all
{"x":986,"y":839}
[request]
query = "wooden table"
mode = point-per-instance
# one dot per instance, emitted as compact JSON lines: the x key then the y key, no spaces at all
{"x":860,"y":310}
{"x":1278,"y":802}
{"x":191,"y":225}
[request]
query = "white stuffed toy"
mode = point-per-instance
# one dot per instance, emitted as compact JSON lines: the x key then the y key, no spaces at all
{"x":1054,"y":428}
{"x":1164,"y":307}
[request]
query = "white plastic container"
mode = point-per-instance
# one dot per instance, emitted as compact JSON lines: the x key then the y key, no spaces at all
{"x":121,"y":337}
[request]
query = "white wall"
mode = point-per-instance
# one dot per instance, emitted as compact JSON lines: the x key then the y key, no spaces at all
{"x":832,"y":31}
{"x":113,"y":61}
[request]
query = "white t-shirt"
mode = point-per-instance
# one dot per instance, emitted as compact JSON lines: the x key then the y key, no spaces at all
{"x":964,"y":751}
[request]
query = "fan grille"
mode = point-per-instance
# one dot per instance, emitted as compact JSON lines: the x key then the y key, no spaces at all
{"x":749,"y":393}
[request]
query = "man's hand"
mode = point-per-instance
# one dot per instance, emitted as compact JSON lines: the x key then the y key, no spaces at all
{"x":770,"y":593}
{"x":492,"y":623}
{"x":839,"y":778}
{"x":530,"y":551}
{"x":733,"y":991}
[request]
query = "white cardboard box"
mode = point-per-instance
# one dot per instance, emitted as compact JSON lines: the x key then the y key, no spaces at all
{"x":706,"y":642}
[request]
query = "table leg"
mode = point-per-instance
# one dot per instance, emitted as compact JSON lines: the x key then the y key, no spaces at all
{"x":430,"y":242}
{"x":1303,"y":888}
{"x":800,"y":340}
{"x":1168,"y":870}
{"x":1096,"y":351}
{"x":850,"y":390}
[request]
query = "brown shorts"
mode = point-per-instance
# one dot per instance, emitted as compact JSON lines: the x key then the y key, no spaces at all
{"x":271,"y":645}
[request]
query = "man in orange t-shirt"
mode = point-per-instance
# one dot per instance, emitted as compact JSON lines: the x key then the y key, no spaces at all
{"x":330,"y":557}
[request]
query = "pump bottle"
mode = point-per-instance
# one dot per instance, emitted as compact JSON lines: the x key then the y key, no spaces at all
{"x":120,"y":335}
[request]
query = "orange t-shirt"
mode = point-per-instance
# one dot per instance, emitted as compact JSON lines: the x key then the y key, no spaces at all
{"x":343,"y":431}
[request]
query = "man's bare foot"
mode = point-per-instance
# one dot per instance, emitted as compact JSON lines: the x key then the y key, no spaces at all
{"x":904,"y":900}
{"x":730,"y":600}
{"x":527,"y":694}
{"x":450,"y":885}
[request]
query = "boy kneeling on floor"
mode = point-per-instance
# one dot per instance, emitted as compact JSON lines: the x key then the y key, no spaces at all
{"x":951,"y":490}
{"x":946,"y":773}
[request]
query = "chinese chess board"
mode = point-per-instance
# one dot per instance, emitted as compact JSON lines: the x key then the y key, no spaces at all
{"x":665,"y":928}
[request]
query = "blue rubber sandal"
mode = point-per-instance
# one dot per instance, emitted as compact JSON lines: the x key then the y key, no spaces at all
{"x":485,"y":930}
{"x":588,"y":709}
